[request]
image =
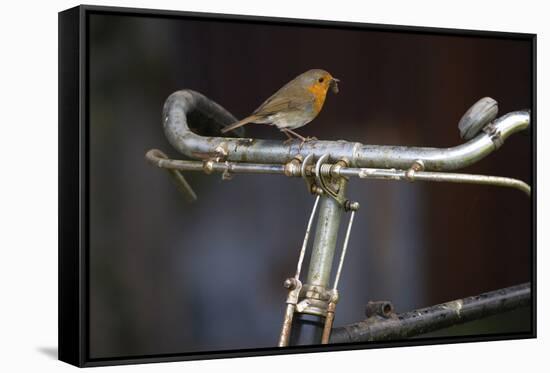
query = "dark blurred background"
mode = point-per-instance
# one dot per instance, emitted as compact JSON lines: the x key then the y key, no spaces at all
{"x":169,"y":277}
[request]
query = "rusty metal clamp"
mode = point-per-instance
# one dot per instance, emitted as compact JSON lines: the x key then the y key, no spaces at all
{"x":308,"y":177}
{"x":321,"y":182}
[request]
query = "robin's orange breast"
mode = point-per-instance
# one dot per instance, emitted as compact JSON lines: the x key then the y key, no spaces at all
{"x":319,"y":92}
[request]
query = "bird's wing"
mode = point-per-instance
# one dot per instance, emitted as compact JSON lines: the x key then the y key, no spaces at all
{"x":281,"y":103}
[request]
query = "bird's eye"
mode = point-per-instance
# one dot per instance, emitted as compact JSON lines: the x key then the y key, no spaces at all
{"x":321,"y":80}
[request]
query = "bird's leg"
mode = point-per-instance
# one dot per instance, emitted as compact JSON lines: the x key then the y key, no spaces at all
{"x":284,"y":130}
{"x":288,"y":130}
{"x":290,"y":138}
{"x":304,"y":139}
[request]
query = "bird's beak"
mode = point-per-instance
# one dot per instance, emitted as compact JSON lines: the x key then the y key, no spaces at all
{"x":334,"y":85}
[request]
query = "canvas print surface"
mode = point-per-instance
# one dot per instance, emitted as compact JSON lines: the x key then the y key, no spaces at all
{"x":166,"y":276}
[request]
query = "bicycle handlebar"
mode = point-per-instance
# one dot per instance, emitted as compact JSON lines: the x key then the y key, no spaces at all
{"x":186,"y":104}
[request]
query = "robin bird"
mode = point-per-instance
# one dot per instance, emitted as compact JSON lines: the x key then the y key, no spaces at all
{"x":294,"y":105}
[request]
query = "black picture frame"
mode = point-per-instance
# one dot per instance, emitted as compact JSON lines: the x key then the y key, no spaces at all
{"x":74,"y":190}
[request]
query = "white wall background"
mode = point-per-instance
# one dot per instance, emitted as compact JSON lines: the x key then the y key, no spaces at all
{"x":28,"y":182}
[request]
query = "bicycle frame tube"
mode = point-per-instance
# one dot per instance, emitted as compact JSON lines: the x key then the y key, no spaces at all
{"x":308,"y":326}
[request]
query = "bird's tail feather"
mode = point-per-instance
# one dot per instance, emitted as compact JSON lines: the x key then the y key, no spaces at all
{"x":240,"y":123}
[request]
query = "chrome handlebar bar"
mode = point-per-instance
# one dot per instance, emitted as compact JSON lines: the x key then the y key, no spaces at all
{"x":247,"y":155}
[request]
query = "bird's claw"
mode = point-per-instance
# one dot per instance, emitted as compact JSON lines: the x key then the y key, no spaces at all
{"x":302,"y":139}
{"x":288,"y":141}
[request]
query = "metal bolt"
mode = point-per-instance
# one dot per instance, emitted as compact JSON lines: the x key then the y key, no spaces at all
{"x":418,"y":165}
{"x":293,"y":168}
{"x":208,"y":167}
{"x":334,"y":296}
{"x":221,"y":150}
{"x":290,"y":283}
{"x":381,"y":308}
{"x":351,"y":206}
{"x":316,"y":190}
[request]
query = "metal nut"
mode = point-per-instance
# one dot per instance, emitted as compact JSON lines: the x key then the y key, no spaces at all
{"x":290,"y":283}
{"x":208,"y":167}
{"x":351,"y":206}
